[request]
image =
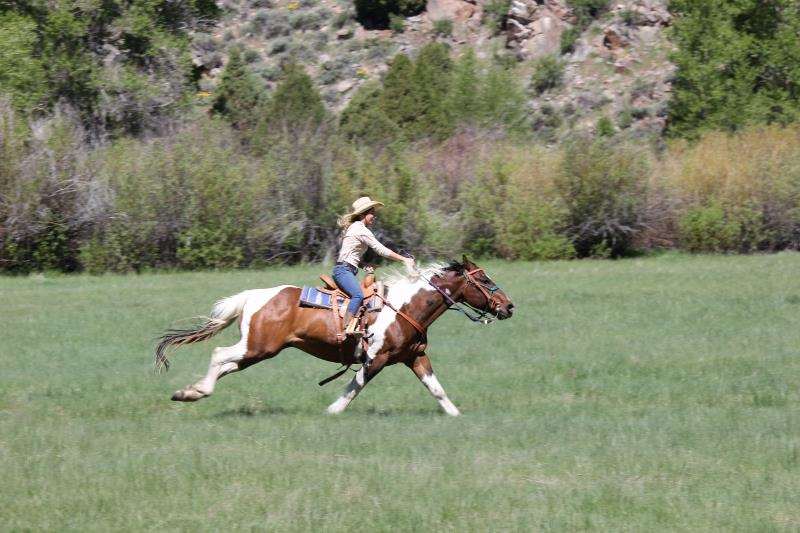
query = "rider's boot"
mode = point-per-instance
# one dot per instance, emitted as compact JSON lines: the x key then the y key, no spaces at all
{"x":352,"y":325}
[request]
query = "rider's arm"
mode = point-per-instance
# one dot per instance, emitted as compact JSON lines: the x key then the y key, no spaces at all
{"x":368,"y":238}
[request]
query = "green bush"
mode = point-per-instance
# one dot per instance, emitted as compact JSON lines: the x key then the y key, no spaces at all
{"x":604,"y":127}
{"x":707,"y":229}
{"x":397,"y":23}
{"x":495,"y":13}
{"x":586,"y":10}
{"x":568,"y":39}
{"x":604,"y":189}
{"x":208,"y":247}
{"x":548,"y":74}
{"x":443,"y":27}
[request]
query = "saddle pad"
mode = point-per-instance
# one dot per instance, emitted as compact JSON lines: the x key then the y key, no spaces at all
{"x":313,"y":297}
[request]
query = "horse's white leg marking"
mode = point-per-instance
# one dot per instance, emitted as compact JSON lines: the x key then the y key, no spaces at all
{"x":352,"y":390}
{"x":225,"y":360}
{"x":435,"y":388}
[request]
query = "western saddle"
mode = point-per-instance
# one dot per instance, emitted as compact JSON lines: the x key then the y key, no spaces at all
{"x":373,"y":301}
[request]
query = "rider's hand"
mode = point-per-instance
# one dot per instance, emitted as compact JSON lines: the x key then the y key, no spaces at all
{"x":410,"y":266}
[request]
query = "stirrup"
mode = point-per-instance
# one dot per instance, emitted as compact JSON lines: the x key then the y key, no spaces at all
{"x":352,"y":328}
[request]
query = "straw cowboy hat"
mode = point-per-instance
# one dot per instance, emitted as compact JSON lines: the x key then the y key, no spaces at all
{"x":362,"y":205}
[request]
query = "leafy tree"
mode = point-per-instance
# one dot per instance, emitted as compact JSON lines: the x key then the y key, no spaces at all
{"x":239,"y":93}
{"x":22,"y":75}
{"x":738,"y":63}
{"x":117,"y":63}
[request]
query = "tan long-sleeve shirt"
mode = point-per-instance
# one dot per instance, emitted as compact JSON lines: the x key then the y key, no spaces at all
{"x":356,"y":240}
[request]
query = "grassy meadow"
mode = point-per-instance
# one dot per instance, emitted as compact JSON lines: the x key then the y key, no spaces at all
{"x":645,"y":394}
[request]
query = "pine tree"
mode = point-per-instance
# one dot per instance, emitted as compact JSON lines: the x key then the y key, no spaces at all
{"x":364,"y":119}
{"x":502,"y":100}
{"x":295,"y":107}
{"x":463,"y":101}
{"x":397,"y":99}
{"x":239,"y":93}
{"x":431,"y":86}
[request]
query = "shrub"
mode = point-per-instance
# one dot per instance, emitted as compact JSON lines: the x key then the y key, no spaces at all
{"x":208,"y":247}
{"x":305,"y":20}
{"x":603,"y":187}
{"x":548,"y":74}
{"x":568,"y":39}
{"x":753,"y":176}
{"x":707,"y":229}
{"x":251,"y":56}
{"x":495,"y":13}
{"x":586,"y":10}
{"x":342,"y":18}
{"x":625,"y":118}
{"x":443,"y":27}
{"x":604,"y":127}
{"x":279,"y":46}
{"x":397,"y":23}
{"x":295,"y":107}
{"x":532,"y":221}
{"x":364,"y":119}
{"x":276,"y":26}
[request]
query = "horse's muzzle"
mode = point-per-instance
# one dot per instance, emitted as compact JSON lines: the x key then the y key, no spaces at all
{"x":504,"y":313}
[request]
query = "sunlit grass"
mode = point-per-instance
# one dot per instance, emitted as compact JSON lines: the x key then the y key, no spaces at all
{"x":648,"y":394}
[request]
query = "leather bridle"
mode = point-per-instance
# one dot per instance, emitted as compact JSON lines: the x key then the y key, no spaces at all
{"x":487,"y":292}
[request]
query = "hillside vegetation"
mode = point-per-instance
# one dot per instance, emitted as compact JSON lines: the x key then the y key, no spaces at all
{"x":110,"y":159}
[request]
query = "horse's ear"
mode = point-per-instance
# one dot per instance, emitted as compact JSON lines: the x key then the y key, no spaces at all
{"x":466,"y":262}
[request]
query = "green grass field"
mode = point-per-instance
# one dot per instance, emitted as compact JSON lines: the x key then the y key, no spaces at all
{"x":646,"y":394}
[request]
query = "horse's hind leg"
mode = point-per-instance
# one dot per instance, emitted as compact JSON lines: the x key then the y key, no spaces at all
{"x":422,"y":368}
{"x":224,"y":360}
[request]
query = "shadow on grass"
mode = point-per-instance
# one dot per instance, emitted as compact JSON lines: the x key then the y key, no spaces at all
{"x":400,"y":411}
{"x":247,"y":411}
{"x":261,"y":410}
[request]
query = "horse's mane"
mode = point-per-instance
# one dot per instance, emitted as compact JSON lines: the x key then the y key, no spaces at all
{"x":396,"y":276}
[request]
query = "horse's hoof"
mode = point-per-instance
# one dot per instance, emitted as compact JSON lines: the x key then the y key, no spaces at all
{"x":187,"y":395}
{"x":334,"y":409}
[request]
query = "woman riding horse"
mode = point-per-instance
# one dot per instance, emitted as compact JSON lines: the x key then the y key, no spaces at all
{"x":357,"y":237}
{"x":271,"y":320}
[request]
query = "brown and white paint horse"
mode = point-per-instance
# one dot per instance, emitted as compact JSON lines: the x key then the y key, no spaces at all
{"x":271,"y":320}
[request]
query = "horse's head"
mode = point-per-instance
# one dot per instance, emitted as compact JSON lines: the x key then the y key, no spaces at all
{"x":480,"y":292}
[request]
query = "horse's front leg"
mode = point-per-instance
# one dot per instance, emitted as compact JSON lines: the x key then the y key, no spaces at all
{"x":422,"y":368}
{"x":362,"y":377}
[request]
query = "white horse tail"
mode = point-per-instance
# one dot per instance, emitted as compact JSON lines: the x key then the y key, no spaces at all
{"x":223,"y":313}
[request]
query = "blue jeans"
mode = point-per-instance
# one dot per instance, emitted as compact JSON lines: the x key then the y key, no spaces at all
{"x":345,"y":277}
